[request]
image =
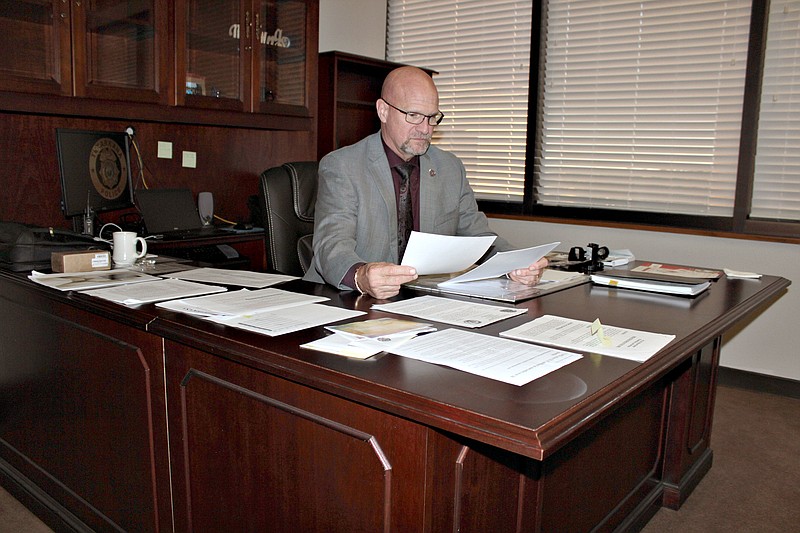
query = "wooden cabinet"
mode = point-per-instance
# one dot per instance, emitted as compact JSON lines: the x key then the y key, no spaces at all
{"x":110,"y":50}
{"x":248,"y":56}
{"x":248,"y":63}
{"x":349,"y":85}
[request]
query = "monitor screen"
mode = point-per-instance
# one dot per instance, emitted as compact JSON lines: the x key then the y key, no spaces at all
{"x":95,"y":169}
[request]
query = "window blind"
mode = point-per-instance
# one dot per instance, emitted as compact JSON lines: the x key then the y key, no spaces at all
{"x":642,"y":104}
{"x":481,"y":51}
{"x":776,"y":183}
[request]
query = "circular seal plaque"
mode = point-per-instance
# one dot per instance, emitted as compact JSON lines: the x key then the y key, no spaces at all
{"x":108,"y":169}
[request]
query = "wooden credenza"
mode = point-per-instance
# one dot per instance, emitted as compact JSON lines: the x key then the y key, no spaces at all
{"x":142,"y":420}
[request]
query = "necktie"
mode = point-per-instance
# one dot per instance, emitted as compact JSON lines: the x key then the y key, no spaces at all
{"x":405,"y":215}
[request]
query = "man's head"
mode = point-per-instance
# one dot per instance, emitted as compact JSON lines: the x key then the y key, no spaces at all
{"x":408,"y":92}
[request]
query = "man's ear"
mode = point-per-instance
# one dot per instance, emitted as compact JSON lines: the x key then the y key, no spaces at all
{"x":382,"y":109}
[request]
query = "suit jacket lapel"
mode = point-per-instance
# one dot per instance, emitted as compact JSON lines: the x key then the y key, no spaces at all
{"x":382,"y":174}
{"x":427,"y":211}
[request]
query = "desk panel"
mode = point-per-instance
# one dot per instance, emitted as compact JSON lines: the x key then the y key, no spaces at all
{"x":82,"y":415}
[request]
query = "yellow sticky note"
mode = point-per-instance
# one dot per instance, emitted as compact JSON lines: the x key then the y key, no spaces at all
{"x":597,"y":331}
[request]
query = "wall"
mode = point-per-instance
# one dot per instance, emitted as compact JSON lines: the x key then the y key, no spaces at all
{"x":765,"y":344}
{"x":229,"y":161}
{"x":355,"y":26}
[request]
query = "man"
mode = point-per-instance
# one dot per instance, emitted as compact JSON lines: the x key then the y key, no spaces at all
{"x":357,"y":244}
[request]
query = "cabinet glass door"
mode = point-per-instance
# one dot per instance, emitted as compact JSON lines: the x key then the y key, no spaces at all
{"x":216,"y":34}
{"x":116,"y":48}
{"x":34,"y":46}
{"x":281,"y":42}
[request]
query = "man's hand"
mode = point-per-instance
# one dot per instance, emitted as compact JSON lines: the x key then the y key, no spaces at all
{"x":530,"y":275}
{"x":383,"y":280}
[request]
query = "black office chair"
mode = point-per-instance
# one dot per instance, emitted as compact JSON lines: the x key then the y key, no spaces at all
{"x":287,"y":195}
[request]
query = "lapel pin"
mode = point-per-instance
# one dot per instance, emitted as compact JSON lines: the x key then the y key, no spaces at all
{"x":431,"y":172}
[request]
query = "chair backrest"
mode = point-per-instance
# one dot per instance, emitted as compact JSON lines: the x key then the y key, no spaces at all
{"x":287,"y":195}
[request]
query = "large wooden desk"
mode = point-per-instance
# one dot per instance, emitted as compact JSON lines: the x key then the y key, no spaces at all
{"x":133,"y":419}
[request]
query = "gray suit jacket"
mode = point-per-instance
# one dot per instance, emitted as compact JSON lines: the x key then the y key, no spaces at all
{"x":355,"y":218}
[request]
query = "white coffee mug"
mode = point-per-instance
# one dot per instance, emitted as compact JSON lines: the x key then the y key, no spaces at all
{"x":125,"y":248}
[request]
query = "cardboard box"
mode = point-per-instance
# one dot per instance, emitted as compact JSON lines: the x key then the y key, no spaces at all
{"x":80,"y":261}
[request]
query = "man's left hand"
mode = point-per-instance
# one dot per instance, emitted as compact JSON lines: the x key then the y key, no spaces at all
{"x":530,"y":275}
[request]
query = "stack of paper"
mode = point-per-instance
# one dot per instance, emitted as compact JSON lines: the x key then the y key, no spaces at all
{"x":368,"y":337}
{"x":268,"y":311}
{"x":447,"y":311}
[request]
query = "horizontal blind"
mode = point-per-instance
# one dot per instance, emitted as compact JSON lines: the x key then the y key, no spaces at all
{"x":481,"y":51}
{"x":642,"y":105}
{"x":776,"y":183}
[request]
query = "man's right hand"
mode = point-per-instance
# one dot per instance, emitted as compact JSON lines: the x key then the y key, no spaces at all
{"x":383,"y":280}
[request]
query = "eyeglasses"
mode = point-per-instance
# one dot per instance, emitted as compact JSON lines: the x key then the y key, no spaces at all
{"x":417,"y":118}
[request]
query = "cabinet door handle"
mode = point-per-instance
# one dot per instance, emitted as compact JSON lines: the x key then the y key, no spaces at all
{"x":248,"y":45}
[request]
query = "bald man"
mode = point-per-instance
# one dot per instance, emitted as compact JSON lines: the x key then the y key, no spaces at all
{"x":356,"y":215}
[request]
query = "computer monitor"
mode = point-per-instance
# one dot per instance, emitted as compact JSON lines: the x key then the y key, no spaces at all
{"x":95,"y":171}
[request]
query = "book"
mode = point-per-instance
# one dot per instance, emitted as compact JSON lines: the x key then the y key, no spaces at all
{"x":660,"y":271}
{"x":381,"y":327}
{"x":681,"y":288}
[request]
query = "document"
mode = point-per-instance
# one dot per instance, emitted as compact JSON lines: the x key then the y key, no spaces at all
{"x":448,"y":311}
{"x":502,"y":289}
{"x":239,"y":278}
{"x":290,"y":319}
{"x":503,"y":360}
{"x":502,"y":263}
{"x":241,"y":302}
{"x":78,"y":281}
{"x":440,"y":254}
{"x":338,"y":344}
{"x":364,"y":348}
{"x":153,"y":291}
{"x":365,"y":338}
{"x":587,"y":337}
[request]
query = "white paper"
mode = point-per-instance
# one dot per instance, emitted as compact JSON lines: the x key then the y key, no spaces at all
{"x":239,"y":278}
{"x":504,"y":360}
{"x":448,"y":311}
{"x":741,"y":275}
{"x":240,"y":302}
{"x":339,"y":344}
{"x":429,"y":253}
{"x":78,"y":281}
{"x":343,"y":344}
{"x":275,"y":323}
{"x":577,"y":335}
{"x":617,"y":258}
{"x":153,"y":291}
{"x":503,"y":262}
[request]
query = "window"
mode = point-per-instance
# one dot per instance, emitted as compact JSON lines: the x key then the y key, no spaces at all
{"x":481,"y":52}
{"x":776,"y":183}
{"x":642,"y":105}
{"x":646,"y":112}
